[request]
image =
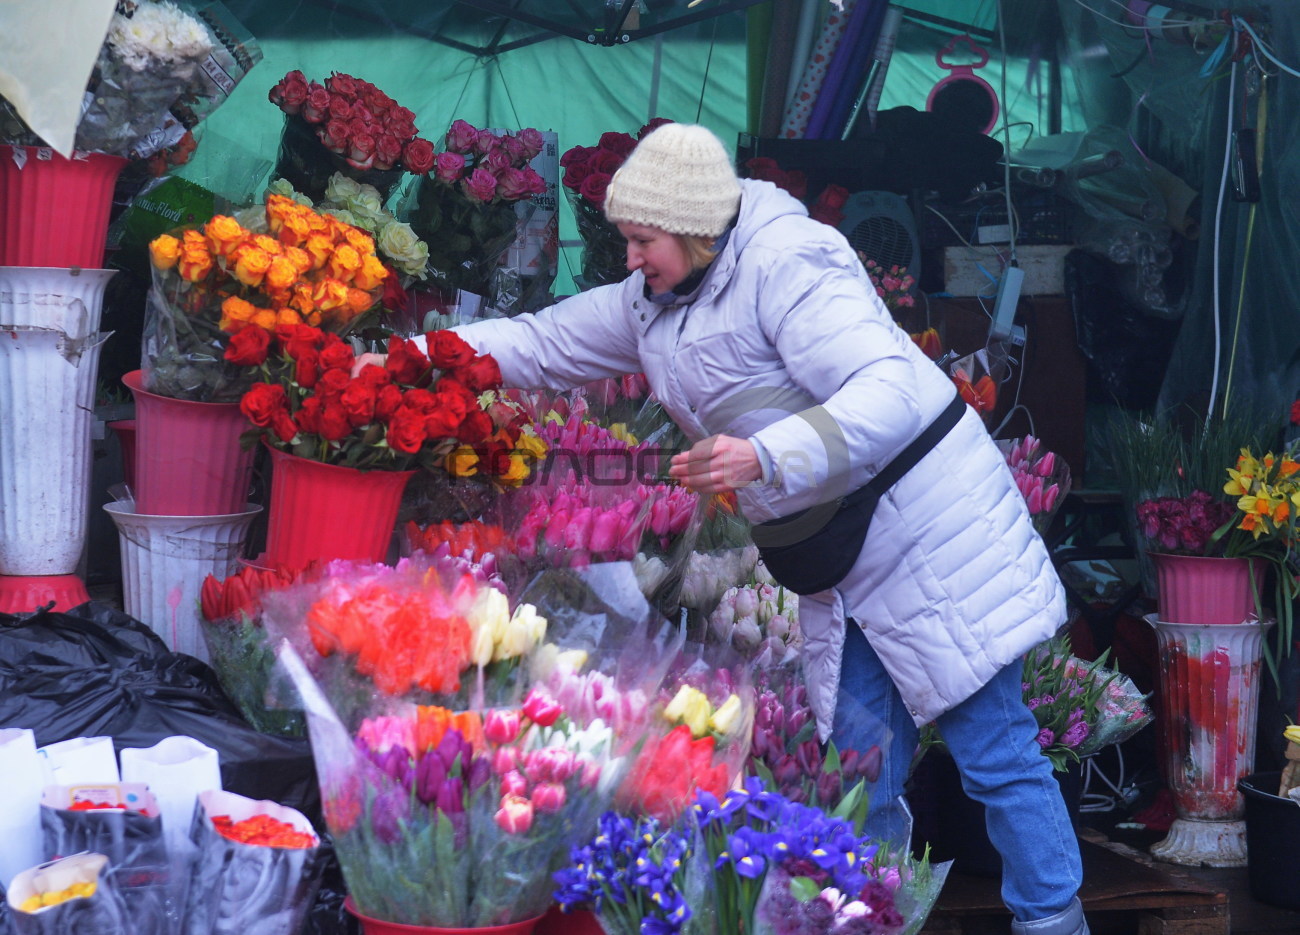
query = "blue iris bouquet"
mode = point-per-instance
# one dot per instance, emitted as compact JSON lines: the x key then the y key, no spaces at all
{"x":633,"y":874}
{"x":751,"y":863}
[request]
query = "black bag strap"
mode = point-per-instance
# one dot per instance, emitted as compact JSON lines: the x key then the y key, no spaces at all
{"x":919,"y":447}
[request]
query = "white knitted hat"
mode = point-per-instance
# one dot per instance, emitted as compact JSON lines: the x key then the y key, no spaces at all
{"x":678,"y":179}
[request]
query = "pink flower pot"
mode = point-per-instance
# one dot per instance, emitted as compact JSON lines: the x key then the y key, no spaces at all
{"x":1195,"y":589}
{"x":54,"y":211}
{"x":321,"y":512}
{"x":371,"y":926}
{"x":188,"y":461}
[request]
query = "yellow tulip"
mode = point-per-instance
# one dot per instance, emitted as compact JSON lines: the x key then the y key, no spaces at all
{"x":691,"y":707}
{"x":727,"y":718}
{"x":1292,"y":733}
{"x":462,"y":462}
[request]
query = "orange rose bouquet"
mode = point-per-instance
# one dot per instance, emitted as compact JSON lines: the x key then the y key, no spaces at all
{"x":222,"y":293}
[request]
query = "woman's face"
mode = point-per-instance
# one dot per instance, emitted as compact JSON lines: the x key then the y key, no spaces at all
{"x":657,"y":254}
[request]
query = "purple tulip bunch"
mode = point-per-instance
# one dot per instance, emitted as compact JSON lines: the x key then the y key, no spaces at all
{"x":442,"y":779}
{"x":786,"y":754}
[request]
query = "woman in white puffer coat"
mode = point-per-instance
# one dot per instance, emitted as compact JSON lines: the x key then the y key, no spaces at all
{"x":762,"y":336}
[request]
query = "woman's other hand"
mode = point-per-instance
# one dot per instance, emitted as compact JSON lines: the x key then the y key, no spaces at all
{"x":368,"y":358}
{"x":717,"y":464}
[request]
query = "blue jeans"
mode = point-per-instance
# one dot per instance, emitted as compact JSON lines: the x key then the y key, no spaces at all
{"x":991,"y":737}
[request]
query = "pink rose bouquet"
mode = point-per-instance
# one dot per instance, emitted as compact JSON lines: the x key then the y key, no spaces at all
{"x":464,"y":205}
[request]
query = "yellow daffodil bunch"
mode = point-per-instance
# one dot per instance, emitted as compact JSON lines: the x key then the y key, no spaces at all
{"x":1267,"y":488}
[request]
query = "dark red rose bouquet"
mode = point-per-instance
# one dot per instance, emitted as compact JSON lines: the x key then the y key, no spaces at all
{"x":416,"y":410}
{"x":587,"y":171}
{"x":465,"y":203}
{"x":365,"y":134}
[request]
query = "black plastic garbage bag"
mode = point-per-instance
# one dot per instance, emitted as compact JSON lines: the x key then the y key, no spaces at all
{"x":94,"y":671}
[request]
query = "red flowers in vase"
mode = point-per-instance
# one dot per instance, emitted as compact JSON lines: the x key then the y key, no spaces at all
{"x":416,"y":408}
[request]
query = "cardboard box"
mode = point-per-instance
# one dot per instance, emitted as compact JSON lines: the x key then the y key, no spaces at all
{"x":965,"y":268}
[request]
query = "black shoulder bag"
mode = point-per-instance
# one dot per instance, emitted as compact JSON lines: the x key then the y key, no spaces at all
{"x":812,"y":550}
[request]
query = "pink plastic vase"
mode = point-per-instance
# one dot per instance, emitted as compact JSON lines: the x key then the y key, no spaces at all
{"x":321,"y":512}
{"x":54,"y":211}
{"x":371,"y":926}
{"x":188,"y":461}
{"x":1201,"y":590}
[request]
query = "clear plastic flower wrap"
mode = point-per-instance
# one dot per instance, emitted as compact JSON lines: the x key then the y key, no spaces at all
{"x":257,"y":869}
{"x":456,"y":813}
{"x":1042,"y":477}
{"x":1122,"y":712}
{"x":73,"y":895}
{"x":239,"y":649}
{"x":702,"y":723}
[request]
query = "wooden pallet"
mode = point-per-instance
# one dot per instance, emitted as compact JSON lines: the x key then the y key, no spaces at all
{"x":1123,"y":891}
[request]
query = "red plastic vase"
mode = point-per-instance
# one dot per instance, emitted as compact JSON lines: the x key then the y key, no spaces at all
{"x":321,"y":512}
{"x":1201,"y":590}
{"x":54,"y":211}
{"x":371,"y":926}
{"x":188,"y":461}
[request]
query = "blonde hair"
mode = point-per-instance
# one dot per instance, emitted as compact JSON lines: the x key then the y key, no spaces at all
{"x":699,"y":250}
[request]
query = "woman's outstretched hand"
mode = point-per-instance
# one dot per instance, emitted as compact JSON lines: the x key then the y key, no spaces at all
{"x":717,"y":464}
{"x":368,"y":358}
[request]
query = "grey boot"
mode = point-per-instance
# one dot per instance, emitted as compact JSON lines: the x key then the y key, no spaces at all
{"x":1069,"y":921}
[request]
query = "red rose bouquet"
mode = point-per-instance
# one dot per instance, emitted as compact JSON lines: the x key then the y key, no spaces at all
{"x":345,"y":125}
{"x":221,"y":292}
{"x":416,"y":410}
{"x":464,"y":205}
{"x":587,"y":171}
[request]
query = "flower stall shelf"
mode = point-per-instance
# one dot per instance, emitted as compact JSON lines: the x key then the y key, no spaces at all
{"x":1209,"y":690}
{"x":165,"y":560}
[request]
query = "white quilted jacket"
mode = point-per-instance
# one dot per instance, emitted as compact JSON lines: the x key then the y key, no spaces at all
{"x":786,"y":343}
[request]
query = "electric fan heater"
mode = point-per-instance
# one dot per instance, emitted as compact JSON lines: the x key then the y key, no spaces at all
{"x":880,"y":225}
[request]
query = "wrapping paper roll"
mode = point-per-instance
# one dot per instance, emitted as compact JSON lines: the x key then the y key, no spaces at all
{"x":846,"y":72}
{"x":20,"y":819}
{"x":800,"y":110}
{"x":810,"y":22}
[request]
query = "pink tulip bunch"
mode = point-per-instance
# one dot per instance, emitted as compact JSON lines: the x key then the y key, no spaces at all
{"x":1042,"y":478}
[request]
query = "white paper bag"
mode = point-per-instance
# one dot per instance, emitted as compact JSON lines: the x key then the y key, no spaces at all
{"x":20,"y":818}
{"x":176,"y":770}
{"x":79,"y":761}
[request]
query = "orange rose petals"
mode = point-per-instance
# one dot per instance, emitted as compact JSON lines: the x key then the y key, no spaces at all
{"x":263,"y":831}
